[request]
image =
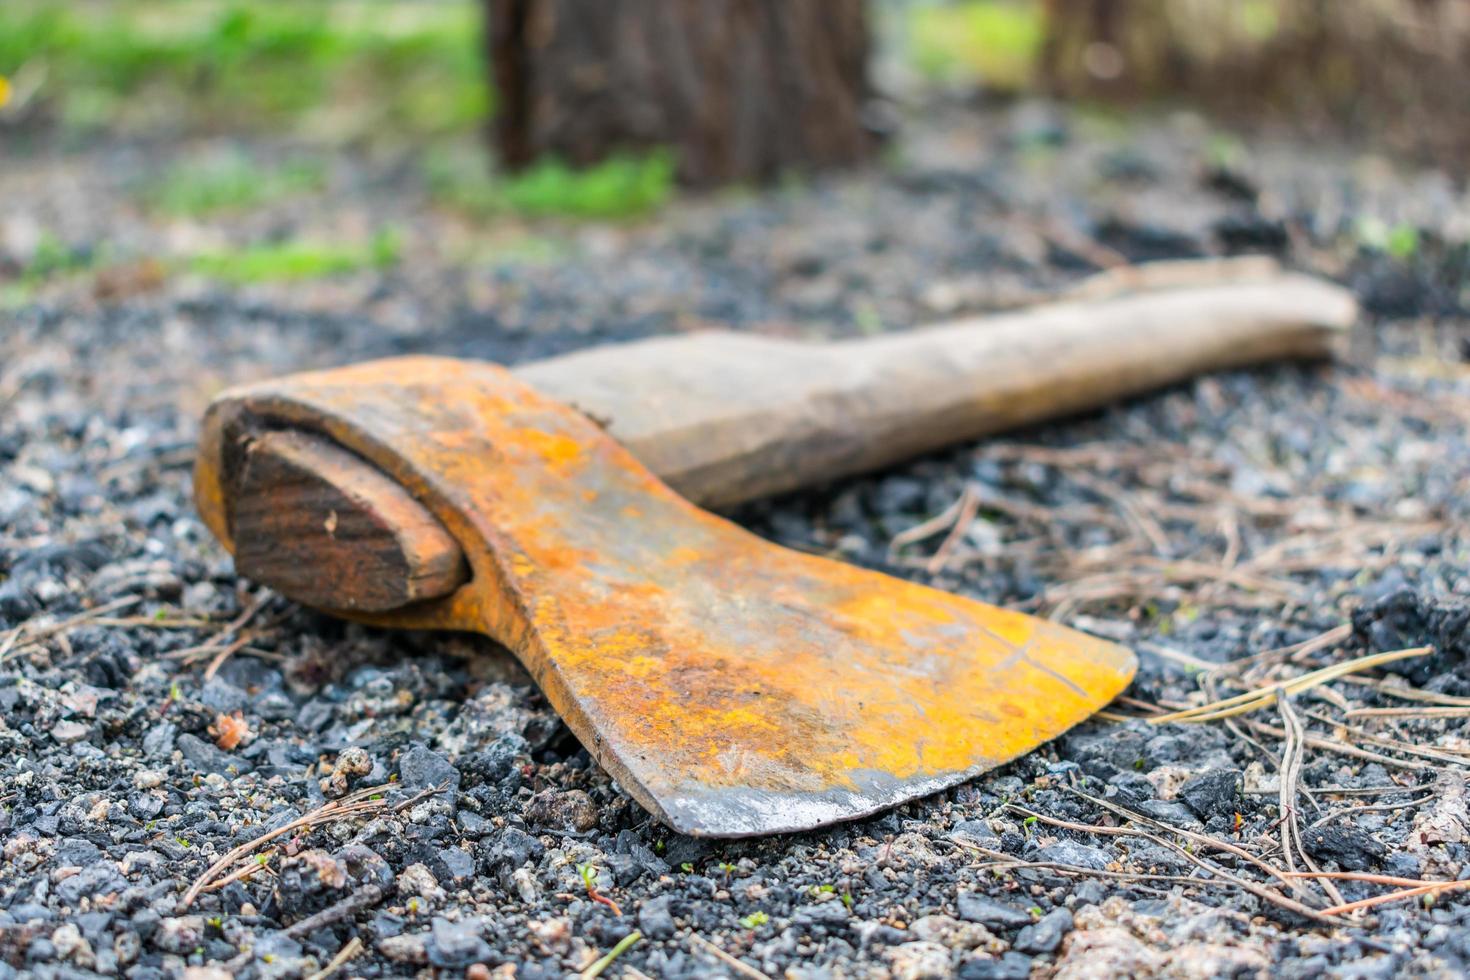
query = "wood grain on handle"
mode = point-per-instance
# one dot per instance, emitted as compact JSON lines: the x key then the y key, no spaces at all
{"x":725,"y":418}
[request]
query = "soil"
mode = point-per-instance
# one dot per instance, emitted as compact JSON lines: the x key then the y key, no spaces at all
{"x":156,"y":711}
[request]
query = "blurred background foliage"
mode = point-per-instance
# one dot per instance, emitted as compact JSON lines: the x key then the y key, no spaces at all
{"x":1390,"y":71}
{"x":411,"y":74}
{"x":331,"y":68}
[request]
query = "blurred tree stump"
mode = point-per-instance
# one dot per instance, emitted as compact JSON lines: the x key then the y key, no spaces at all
{"x":1397,"y":71}
{"x":738,"y":90}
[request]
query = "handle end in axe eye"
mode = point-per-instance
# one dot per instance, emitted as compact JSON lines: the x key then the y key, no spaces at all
{"x":318,"y":524}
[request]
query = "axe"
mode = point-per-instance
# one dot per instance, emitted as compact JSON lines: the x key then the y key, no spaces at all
{"x":733,"y":687}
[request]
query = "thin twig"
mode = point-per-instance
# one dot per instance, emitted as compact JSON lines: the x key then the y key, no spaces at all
{"x":245,"y":872}
{"x":222,"y":639}
{"x":354,"y":804}
{"x":1263,"y":696}
{"x":1371,"y":878}
{"x":1395,"y":688}
{"x":969,"y":507}
{"x":1356,"y":808}
{"x":1462,"y":711}
{"x":226,"y":653}
{"x":1398,"y":896}
{"x":1121,"y":499}
{"x":366,"y":897}
{"x":1000,"y":861}
{"x":744,"y":969}
{"x":1290,"y":773}
{"x":33,"y":633}
{"x":1260,"y":891}
{"x":925,"y":529}
{"x":1293,"y":752}
{"x":1205,"y":840}
{"x":351,"y":949}
{"x":606,"y":961}
{"x":1397,"y":745}
{"x":1342,"y":748}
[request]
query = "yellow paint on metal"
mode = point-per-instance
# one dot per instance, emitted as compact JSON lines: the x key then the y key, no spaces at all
{"x":732,"y":686}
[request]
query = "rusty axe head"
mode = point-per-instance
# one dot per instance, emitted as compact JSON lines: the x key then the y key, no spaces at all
{"x":732,"y":686}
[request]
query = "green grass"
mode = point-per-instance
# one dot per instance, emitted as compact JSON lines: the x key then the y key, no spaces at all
{"x":996,"y":42}
{"x":229,"y":182}
{"x":52,"y":260}
{"x":620,"y":187}
{"x":297,"y":260}
{"x":349,"y":67}
{"x":285,"y":261}
{"x":1399,"y":241}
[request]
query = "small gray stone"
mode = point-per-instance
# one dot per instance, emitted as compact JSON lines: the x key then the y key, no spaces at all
{"x":420,"y":767}
{"x":456,"y":863}
{"x":205,"y":757}
{"x":1011,"y":966}
{"x":1045,"y":935}
{"x":830,"y":914}
{"x":278,"y":957}
{"x":514,"y":849}
{"x":96,"y":881}
{"x":274,"y":706}
{"x":411,"y":948}
{"x":648,"y":862}
{"x":76,"y":852}
{"x":222,"y":696}
{"x":978,"y":831}
{"x":1075,"y":854}
{"x":159,"y":742}
{"x":974,"y":907}
{"x":145,"y":805}
{"x":562,"y":810}
{"x":654,"y":918}
{"x":1089,"y":892}
{"x":456,"y":944}
{"x":126,"y":946}
{"x":180,"y":935}
{"x":1174,"y":814}
{"x":67,"y":732}
{"x":315,"y":715}
{"x":474,"y":825}
{"x":1403,"y":865}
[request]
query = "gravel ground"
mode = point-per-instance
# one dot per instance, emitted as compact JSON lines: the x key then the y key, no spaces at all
{"x":157,"y":712}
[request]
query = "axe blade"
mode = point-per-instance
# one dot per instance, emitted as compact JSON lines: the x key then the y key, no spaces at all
{"x":732,"y":686}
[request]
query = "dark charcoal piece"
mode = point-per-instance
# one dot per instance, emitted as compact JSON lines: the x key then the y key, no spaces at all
{"x":1351,"y":848}
{"x":1213,"y":793}
{"x":1405,"y":619}
{"x":1251,"y":232}
{"x":1147,"y":243}
{"x":1231,"y":184}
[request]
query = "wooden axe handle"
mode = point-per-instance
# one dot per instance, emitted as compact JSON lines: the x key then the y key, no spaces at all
{"x":725,"y":418}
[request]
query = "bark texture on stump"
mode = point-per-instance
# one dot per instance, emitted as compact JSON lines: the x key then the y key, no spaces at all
{"x":739,"y":90}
